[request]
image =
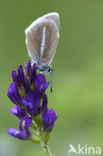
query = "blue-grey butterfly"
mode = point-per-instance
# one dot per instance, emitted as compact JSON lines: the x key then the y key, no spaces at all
{"x":42,"y":39}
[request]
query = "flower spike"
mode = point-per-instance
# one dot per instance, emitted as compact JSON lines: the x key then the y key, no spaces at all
{"x":28,"y":92}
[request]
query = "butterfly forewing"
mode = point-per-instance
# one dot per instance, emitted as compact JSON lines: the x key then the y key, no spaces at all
{"x":42,"y":38}
{"x":54,"y":17}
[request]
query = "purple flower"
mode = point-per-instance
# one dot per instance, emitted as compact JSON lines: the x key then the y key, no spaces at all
{"x":28,"y":68}
{"x":19,"y":112}
{"x":31,"y":102}
{"x":23,"y":132}
{"x":44,"y":103}
{"x":41,"y":84}
{"x":49,"y":117}
{"x":28,"y":89}
{"x":13,"y":94}
{"x":27,"y":92}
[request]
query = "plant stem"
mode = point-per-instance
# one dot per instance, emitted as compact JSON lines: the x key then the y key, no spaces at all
{"x":43,"y":144}
{"x":47,"y":149}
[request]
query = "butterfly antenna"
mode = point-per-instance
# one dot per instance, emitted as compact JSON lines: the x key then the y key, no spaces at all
{"x":51,"y":89}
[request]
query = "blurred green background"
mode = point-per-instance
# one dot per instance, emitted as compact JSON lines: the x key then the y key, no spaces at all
{"x":77,"y":80}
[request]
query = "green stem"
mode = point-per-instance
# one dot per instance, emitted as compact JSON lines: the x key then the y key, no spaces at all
{"x":47,"y":149}
{"x":37,"y":140}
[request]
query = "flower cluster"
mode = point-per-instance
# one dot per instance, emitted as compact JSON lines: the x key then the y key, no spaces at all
{"x":27,"y":92}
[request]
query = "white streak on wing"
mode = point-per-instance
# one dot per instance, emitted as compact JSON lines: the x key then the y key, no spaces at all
{"x":43,"y":41}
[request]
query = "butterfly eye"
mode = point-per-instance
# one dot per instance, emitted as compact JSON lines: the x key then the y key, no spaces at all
{"x":48,"y":69}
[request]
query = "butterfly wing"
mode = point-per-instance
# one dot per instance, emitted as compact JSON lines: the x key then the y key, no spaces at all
{"x":42,"y":38}
{"x":54,"y":17}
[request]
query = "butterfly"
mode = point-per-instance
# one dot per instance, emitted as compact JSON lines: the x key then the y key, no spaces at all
{"x":41,"y":40}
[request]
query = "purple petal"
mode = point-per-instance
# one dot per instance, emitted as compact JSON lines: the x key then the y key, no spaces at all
{"x":36,"y":100}
{"x":44,"y":104}
{"x":49,"y":117}
{"x":20,"y":113}
{"x":15,"y":76}
{"x":21,"y":74}
{"x":23,"y":79}
{"x":45,"y":116}
{"x":28,"y":68}
{"x":53,"y":118}
{"x":44,"y":88}
{"x":33,"y":73}
{"x":46,"y":85}
{"x":13,"y":110}
{"x":31,"y":102}
{"x":26,"y":84}
{"x":40,"y":81}
{"x":17,"y":134}
{"x":41,"y":84}
{"x":13,"y":94}
{"x":26,"y":122}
